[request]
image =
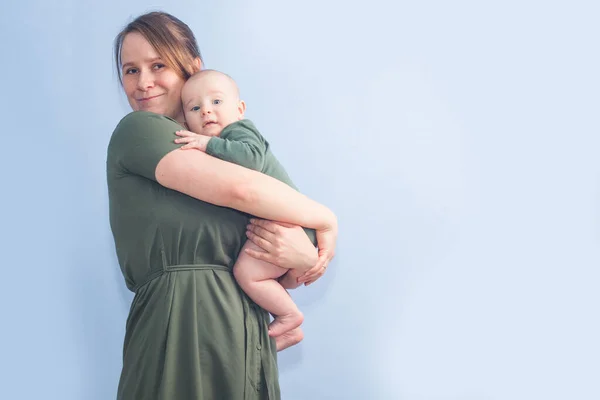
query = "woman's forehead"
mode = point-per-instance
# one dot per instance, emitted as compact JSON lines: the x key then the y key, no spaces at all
{"x":136,"y":49}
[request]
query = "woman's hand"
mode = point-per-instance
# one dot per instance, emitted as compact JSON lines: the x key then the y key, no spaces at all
{"x":287,"y":246}
{"x":326,"y":238}
{"x":284,"y":245}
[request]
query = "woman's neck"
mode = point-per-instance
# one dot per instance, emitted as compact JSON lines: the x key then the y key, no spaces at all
{"x":181,"y":119}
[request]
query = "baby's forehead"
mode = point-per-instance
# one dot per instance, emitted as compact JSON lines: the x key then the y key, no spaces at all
{"x":213,"y":78}
{"x":201,"y":95}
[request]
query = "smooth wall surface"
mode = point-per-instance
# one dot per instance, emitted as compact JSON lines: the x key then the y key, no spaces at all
{"x":457,"y":142}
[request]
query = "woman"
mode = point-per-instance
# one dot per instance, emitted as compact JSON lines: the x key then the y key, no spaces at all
{"x":178,"y":219}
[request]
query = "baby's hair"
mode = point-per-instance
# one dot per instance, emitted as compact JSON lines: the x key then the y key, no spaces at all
{"x":214,"y":71}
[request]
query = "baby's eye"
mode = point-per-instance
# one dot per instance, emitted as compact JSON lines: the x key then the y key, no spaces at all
{"x":217,"y":101}
{"x":195,"y":108}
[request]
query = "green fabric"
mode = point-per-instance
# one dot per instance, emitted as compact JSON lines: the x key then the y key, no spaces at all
{"x":241,"y":143}
{"x":191,"y":332}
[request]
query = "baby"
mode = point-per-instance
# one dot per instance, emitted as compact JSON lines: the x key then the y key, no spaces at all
{"x":214,"y":114}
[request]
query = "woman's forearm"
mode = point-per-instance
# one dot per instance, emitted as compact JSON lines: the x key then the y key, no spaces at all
{"x":225,"y":184}
{"x":271,"y":199}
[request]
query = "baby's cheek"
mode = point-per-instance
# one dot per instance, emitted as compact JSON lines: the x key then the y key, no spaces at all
{"x":193,"y":124}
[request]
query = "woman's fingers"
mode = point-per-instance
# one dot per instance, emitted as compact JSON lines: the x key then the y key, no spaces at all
{"x":265,"y":224}
{"x":261,"y":232}
{"x":326,"y":241}
{"x":310,"y":282}
{"x":259,"y":241}
{"x":318,"y":270}
{"x":259,"y":255}
{"x":311,"y":279}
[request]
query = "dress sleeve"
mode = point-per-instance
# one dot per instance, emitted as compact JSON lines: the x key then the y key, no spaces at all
{"x":239,"y":143}
{"x":140,"y":141}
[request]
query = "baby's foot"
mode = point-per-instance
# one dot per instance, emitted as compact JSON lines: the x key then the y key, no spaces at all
{"x":284,"y":323}
{"x":289,"y":339}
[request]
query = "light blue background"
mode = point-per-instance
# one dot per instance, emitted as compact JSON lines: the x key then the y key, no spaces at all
{"x":456,"y":141}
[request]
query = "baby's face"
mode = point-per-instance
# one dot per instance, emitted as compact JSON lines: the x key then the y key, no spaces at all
{"x":210,"y":103}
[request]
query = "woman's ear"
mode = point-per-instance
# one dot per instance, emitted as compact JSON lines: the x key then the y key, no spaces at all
{"x":197,"y":64}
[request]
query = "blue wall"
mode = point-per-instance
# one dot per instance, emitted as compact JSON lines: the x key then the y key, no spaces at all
{"x":456,"y":141}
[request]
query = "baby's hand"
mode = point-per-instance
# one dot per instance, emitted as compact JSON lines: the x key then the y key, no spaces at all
{"x":192,"y":140}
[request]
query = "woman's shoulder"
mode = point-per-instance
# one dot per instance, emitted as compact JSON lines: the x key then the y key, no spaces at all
{"x":143,"y":124}
{"x":142,"y":118}
{"x":143,"y":131}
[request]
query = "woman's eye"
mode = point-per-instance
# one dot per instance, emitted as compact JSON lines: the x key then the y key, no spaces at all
{"x":158,"y":66}
{"x":217,"y":101}
{"x":129,"y":71}
{"x":195,"y":108}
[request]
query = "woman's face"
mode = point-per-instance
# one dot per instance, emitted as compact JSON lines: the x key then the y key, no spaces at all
{"x":150,"y":85}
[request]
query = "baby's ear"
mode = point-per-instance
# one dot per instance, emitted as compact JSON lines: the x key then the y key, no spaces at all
{"x":241,"y":109}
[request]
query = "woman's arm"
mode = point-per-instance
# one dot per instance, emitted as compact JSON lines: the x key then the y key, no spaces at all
{"x":225,"y":184}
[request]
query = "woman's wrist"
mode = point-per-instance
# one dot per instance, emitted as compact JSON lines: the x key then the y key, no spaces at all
{"x":327,"y":220}
{"x":331,"y":222}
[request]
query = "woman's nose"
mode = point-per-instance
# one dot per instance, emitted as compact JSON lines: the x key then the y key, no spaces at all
{"x":145,"y":81}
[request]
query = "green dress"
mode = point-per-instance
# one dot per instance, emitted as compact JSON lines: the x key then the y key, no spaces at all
{"x":191,"y":332}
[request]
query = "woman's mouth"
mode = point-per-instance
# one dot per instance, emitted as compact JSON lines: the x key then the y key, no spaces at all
{"x":143,"y":99}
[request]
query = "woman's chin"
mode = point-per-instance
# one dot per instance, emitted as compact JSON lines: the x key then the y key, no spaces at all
{"x":153,"y":109}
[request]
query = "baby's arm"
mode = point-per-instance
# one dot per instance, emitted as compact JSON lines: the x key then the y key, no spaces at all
{"x":239,"y":143}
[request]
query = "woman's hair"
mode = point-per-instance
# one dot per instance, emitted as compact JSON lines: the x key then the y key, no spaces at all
{"x":173,"y":40}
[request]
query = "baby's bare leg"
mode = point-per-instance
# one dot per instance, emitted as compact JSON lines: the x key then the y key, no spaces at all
{"x":258,"y":279}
